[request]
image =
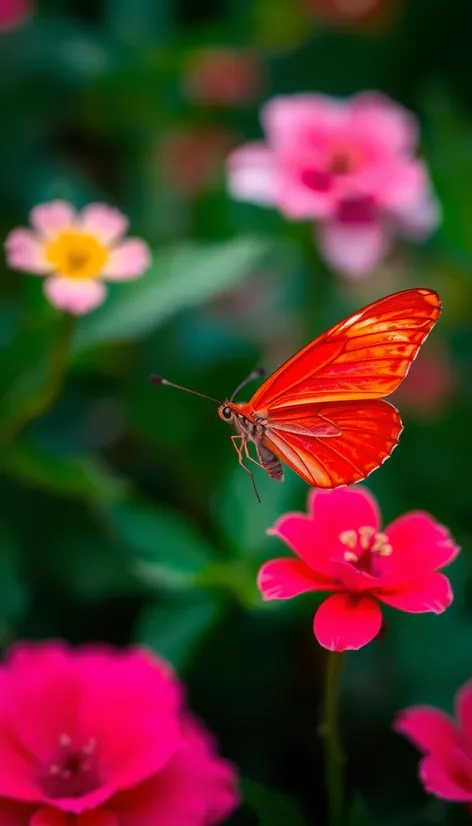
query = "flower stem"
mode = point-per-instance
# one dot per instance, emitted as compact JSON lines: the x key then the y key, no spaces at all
{"x":332,"y":747}
{"x":39,"y":403}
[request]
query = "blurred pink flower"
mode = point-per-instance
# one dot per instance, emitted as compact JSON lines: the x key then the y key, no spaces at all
{"x":101,"y":737}
{"x":341,"y":548}
{"x":191,"y":158}
{"x":349,"y":164}
{"x":223,"y":77}
{"x":77,"y":252}
{"x":446,"y":768}
{"x":14,"y":12}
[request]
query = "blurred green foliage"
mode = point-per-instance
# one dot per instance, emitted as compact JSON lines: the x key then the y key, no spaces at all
{"x":124,"y":515}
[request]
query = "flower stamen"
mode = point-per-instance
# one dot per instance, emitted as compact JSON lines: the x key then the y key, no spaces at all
{"x":76,"y":254}
{"x":348,"y":538}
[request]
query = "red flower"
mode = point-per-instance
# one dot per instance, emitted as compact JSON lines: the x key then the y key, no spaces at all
{"x":191,"y":158}
{"x":354,"y":12}
{"x":98,"y":737}
{"x":446,"y":768}
{"x":223,"y":77}
{"x":341,"y":548}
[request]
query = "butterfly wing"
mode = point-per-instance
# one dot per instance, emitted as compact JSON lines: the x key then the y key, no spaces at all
{"x":365,"y":356}
{"x":334,"y":444}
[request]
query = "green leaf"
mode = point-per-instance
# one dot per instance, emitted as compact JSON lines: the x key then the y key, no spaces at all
{"x":272,"y":808}
{"x":170,"y":552}
{"x":83,"y":477}
{"x":174,"y":628}
{"x":178,"y":278}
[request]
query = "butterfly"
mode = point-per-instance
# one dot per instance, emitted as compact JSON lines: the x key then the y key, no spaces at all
{"x":323,"y":412}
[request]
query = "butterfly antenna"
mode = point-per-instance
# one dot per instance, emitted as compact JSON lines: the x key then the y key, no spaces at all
{"x":256,"y":374}
{"x":160,"y":380}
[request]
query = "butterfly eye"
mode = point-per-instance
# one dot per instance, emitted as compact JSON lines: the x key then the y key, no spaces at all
{"x":226,"y":412}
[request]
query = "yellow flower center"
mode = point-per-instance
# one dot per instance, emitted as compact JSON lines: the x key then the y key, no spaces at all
{"x":365,"y":541}
{"x":76,"y":254}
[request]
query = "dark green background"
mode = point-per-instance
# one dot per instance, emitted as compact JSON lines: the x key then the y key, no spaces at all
{"x":123,"y":513}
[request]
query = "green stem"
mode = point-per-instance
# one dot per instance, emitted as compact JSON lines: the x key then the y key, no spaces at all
{"x":39,"y":403}
{"x":332,"y":747}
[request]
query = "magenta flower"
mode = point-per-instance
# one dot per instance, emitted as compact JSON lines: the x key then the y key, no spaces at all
{"x":349,"y":165}
{"x":446,"y":768}
{"x":340,"y":547}
{"x":100,"y":737}
{"x":14,"y":13}
{"x":77,"y":252}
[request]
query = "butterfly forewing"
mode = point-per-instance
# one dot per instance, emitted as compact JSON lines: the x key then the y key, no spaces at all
{"x":365,"y":356}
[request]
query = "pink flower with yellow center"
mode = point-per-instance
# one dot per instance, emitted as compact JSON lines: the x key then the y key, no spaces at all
{"x":340,"y":547}
{"x":77,"y":252}
{"x":95,"y":736}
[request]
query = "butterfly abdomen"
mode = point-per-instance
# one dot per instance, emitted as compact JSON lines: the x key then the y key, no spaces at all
{"x":269,"y":462}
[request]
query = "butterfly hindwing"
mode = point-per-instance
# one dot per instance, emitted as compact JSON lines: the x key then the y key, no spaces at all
{"x":366,"y":434}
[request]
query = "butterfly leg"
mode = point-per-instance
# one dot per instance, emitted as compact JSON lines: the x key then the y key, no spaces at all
{"x":239,"y":451}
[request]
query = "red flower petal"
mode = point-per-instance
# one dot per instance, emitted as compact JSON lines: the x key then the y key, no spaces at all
{"x":433,"y":593}
{"x":449,"y":780}
{"x":429,"y":729}
{"x":353,"y":579}
{"x":339,"y":510}
{"x":304,"y":538}
{"x":344,"y":622}
{"x":420,"y":546}
{"x":286,"y":578}
{"x":464,"y":711}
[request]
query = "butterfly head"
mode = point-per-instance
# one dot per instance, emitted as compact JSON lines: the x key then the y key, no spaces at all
{"x":227,"y":412}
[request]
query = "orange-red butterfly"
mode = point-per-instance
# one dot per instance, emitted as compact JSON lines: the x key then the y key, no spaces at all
{"x":322,"y":412}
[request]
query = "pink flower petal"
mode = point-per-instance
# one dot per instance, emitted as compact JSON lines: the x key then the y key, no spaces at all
{"x":419,"y":219}
{"x":49,"y":219}
{"x":252,"y":174}
{"x":353,"y":249}
{"x":25,"y":251}
{"x":431,"y":594}
{"x":300,"y":121}
{"x":344,"y":623}
{"x":302,"y":535}
{"x":463,"y":704}
{"x":103,"y":221}
{"x":193,"y":789}
{"x":420,"y":546}
{"x":127,"y":261}
{"x":394,"y":127}
{"x":286,"y":578}
{"x":402,"y":187}
{"x":151,"y":735}
{"x":74,"y":295}
{"x":47,"y":816}
{"x":432,"y":731}
{"x":353,"y":579}
{"x":450,"y":779}
{"x":335,"y":511}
